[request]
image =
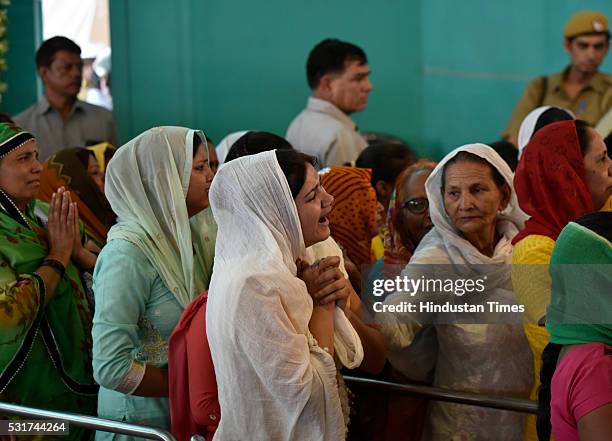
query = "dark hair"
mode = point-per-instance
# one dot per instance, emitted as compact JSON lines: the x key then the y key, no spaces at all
{"x":464,"y":156}
{"x":550,"y":116}
{"x":197,"y":141}
{"x":48,"y":49}
{"x":550,"y":356}
{"x":382,"y":138}
{"x":589,"y":34}
{"x":252,"y":143}
{"x":507,"y":151}
{"x":5,"y":118}
{"x":386,"y":161}
{"x":109,"y":153}
{"x":330,"y":56}
{"x":83,"y":155}
{"x":583,"y":135}
{"x":293,"y":165}
{"x":599,"y":222}
{"x":608,"y":142}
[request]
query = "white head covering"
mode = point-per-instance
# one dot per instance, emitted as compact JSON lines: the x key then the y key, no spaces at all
{"x":226,"y":143}
{"x":528,"y":126}
{"x":146,"y":184}
{"x":475,"y":357}
{"x":460,"y":250}
{"x":604,"y":126}
{"x":258,"y":314}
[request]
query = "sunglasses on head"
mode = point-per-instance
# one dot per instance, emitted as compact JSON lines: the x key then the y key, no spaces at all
{"x":416,"y":205}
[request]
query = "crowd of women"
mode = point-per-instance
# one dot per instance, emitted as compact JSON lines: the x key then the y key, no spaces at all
{"x":160,"y":289}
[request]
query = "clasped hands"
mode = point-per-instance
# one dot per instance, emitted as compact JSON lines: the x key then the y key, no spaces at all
{"x":325,"y":282}
{"x":64,"y":231}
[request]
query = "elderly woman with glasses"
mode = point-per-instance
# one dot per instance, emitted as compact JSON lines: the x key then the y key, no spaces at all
{"x":408,"y":220}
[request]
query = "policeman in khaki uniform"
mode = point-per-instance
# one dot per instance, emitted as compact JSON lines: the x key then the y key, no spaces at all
{"x":580,"y":87}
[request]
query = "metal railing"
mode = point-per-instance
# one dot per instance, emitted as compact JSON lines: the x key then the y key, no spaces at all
{"x":451,"y":396}
{"x":433,"y":393}
{"x":88,"y":422}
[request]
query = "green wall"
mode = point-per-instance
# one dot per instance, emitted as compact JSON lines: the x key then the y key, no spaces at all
{"x":227,"y":65}
{"x":444,"y":72}
{"x":24,"y":37}
{"x":478,"y":56}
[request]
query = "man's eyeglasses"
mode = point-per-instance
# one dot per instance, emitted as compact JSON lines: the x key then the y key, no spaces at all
{"x":416,"y":205}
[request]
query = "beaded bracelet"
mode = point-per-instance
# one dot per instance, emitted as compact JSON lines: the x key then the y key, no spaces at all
{"x":55,"y":265}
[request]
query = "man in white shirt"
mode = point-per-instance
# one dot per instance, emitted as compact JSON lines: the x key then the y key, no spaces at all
{"x":338,"y":75}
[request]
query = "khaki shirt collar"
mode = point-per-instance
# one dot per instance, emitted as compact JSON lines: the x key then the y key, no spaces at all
{"x":598,"y":82}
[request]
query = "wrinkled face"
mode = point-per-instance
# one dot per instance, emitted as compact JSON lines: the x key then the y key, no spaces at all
{"x":471,"y":198}
{"x":587,"y":52}
{"x":64,"y":75}
{"x":199,"y":182}
{"x":598,"y":170}
{"x":413,"y":219}
{"x":93,"y":170}
{"x":20,"y":173}
{"x":313,"y":205}
{"x":349,"y":90}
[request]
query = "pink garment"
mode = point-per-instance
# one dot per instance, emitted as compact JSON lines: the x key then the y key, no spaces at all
{"x":582,"y":383}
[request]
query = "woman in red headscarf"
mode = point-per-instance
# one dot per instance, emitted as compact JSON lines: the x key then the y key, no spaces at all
{"x":563,"y":174}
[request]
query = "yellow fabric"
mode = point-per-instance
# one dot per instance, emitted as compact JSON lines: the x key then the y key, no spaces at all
{"x":99,"y":150}
{"x":531,"y":282}
{"x":530,"y":277}
{"x":532,"y":286}
{"x":378,"y":247}
{"x":591,"y":104}
{"x":585,"y":22}
{"x":608,"y":205}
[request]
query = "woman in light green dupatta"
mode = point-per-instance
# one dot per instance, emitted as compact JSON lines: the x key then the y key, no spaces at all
{"x":576,"y":391}
{"x":158,"y":258}
{"x":45,"y":317}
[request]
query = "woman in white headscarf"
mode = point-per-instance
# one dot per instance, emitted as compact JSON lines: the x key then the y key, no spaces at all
{"x":273,"y":348}
{"x":156,"y":261}
{"x":475,"y":214}
{"x":538,"y":118}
